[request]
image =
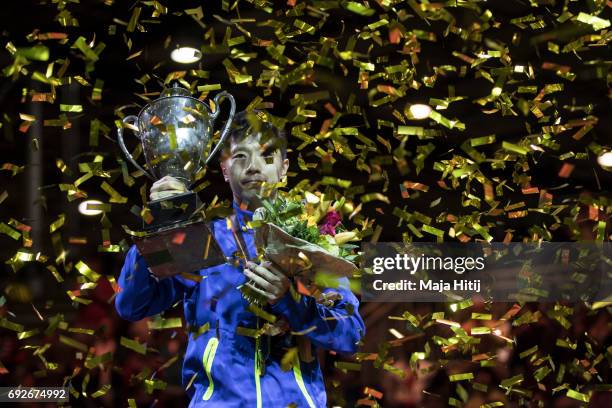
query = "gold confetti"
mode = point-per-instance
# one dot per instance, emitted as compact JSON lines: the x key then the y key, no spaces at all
{"x":168,"y":323}
{"x":87,"y":271}
{"x":594,"y":21}
{"x":133,"y":345}
{"x":73,"y":343}
{"x":461,"y":377}
{"x":479,"y":167}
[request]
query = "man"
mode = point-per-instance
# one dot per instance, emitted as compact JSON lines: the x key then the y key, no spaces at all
{"x":223,"y":366}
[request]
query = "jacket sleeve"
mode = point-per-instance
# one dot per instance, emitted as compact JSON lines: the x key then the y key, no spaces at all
{"x":338,"y":328}
{"x":140,"y":293}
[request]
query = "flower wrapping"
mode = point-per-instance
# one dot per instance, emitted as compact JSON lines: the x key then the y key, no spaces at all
{"x":297,"y":257}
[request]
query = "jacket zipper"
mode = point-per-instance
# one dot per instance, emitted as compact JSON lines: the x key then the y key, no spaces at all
{"x":257,"y":372}
{"x":297,"y":372}
{"x":207,"y":360}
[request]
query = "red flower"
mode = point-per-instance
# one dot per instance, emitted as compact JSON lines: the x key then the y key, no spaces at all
{"x":330,"y":222}
{"x":327,"y":230}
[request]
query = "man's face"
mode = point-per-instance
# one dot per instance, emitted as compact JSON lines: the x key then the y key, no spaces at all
{"x":248,"y":165}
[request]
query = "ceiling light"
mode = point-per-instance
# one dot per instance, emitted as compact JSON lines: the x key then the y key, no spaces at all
{"x":186,"y":55}
{"x":605,"y":160}
{"x":419,"y":111}
{"x":89,"y":211}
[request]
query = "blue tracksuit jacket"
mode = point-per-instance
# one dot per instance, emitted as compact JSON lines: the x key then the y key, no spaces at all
{"x":220,"y":364}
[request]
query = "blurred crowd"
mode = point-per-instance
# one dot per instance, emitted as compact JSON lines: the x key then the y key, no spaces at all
{"x":424,"y":382}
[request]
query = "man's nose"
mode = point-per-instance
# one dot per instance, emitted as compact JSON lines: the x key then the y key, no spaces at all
{"x":255,"y":164}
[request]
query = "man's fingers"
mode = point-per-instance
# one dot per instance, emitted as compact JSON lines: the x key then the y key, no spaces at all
{"x":276,"y":270}
{"x":269,"y":272}
{"x":156,"y":195}
{"x":165,"y":187}
{"x":272,"y":282}
{"x":264,"y":272}
{"x":261,"y":292}
{"x":167,"y":192}
{"x":156,"y":185}
{"x":172,"y":184}
{"x":259,"y":280}
{"x":279,"y":276}
{"x":168,"y":181}
{"x":175,"y":185}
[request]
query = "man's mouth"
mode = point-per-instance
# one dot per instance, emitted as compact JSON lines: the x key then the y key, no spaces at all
{"x":253,"y":182}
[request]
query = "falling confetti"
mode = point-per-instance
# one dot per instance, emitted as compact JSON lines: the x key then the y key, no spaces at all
{"x":518,"y":111}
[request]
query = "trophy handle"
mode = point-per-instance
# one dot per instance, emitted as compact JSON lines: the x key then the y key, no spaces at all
{"x":218,"y":98}
{"x":131,"y":120}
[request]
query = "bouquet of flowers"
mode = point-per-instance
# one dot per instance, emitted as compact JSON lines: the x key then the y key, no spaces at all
{"x":305,"y":235}
{"x":305,"y":238}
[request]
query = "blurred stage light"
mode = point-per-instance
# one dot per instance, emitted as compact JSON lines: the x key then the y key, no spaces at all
{"x":186,"y":55}
{"x":419,"y":111}
{"x":83,"y":207}
{"x":605,"y":160}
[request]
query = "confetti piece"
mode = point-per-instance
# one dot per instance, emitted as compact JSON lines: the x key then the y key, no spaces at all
{"x":201,"y":330}
{"x":263,"y":314}
{"x":87,"y":271}
{"x":344,"y":365}
{"x":102,"y":391}
{"x":305,"y":331}
{"x":71,"y":108}
{"x":91,"y":361}
{"x":133,"y":345}
{"x":578,"y":396}
{"x":5,"y":229}
{"x":179,"y":238}
{"x":509,"y":382}
{"x":73,"y":343}
{"x":85,"y":49}
{"x":541,"y":373}
{"x":480,"y":330}
{"x":528,"y":352}
{"x":167,"y":323}
{"x":461,"y":377}
{"x":594,"y":21}
{"x":514,"y":148}
{"x":55,"y":225}
{"x":115,"y":196}
{"x":566,"y":170}
{"x":10,"y":325}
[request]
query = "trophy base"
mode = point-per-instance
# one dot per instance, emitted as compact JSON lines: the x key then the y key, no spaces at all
{"x":172,"y":211}
{"x":178,"y":240}
{"x":180,"y":249}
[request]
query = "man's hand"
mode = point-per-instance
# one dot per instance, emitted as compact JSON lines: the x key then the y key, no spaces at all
{"x":267,"y":280}
{"x":166,"y":187}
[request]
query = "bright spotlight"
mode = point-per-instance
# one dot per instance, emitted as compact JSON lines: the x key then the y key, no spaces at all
{"x":605,"y":160}
{"x":186,"y":55}
{"x":86,"y":211}
{"x":420,"y":111}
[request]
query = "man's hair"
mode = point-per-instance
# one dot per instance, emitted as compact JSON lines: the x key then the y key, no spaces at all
{"x":247,"y":123}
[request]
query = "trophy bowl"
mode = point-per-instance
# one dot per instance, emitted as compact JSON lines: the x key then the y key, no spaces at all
{"x":176,"y":132}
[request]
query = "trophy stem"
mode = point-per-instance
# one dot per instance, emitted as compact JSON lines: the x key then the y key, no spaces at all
{"x":172,"y":211}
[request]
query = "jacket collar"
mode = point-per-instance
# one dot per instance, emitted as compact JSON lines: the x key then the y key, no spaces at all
{"x":243,"y":216}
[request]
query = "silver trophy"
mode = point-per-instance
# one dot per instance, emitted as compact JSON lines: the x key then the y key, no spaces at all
{"x":176,"y":133}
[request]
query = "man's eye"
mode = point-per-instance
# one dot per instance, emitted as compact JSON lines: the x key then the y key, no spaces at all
{"x":238,"y":156}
